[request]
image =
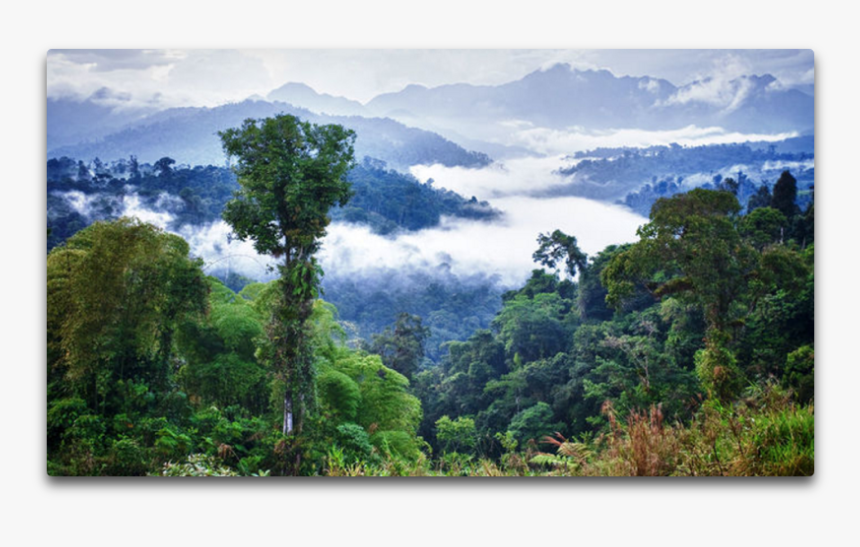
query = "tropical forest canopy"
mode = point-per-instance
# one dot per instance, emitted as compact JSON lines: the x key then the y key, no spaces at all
{"x":689,"y":351}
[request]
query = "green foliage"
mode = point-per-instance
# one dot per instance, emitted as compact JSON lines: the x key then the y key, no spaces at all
{"x":693,"y":248}
{"x":456,"y":435}
{"x":533,"y":423}
{"x":762,"y":227}
{"x":557,"y":247}
{"x":718,"y":371}
{"x":708,"y":302}
{"x":397,"y":444}
{"x":127,"y":458}
{"x":355,"y":440}
{"x":388,"y":200}
{"x":532,"y":328}
{"x":386,"y":404}
{"x":340,"y":392}
{"x":785,"y":195}
{"x":116,"y":295}
{"x":116,"y":292}
{"x":402,"y":348}
{"x":220,"y":351}
{"x":451,"y":307}
{"x":290,"y":173}
{"x":800,"y":372}
{"x":197,"y":465}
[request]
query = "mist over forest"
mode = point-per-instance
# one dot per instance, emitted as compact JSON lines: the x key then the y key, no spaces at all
{"x":451,"y":264}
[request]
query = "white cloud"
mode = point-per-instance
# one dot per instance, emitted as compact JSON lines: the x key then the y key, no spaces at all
{"x":468,"y":247}
{"x":501,"y":249}
{"x":726,"y":87}
{"x":173,"y":78}
{"x":511,"y":177}
{"x":133,"y":208}
{"x":557,"y":141}
{"x":220,"y":252}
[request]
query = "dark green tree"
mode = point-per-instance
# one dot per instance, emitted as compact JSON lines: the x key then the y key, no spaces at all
{"x":534,"y":423}
{"x":761,"y":198}
{"x":164,"y":167}
{"x":763,"y":227}
{"x":729,"y":185}
{"x":290,"y":174}
{"x":785,"y":195}
{"x":402,"y":348}
{"x":557,"y":247}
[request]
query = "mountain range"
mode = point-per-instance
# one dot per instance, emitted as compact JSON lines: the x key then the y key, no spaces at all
{"x":561,"y":97}
{"x":440,"y":124}
{"x":190,"y":136}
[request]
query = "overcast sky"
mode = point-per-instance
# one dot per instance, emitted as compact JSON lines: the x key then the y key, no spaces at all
{"x":212,"y":77}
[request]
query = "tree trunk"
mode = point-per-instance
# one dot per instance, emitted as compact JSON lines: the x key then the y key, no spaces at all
{"x":288,"y":413}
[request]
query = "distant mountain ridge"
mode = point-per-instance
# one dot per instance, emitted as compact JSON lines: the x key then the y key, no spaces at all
{"x":562,"y":97}
{"x":71,"y":120}
{"x":190,"y":135}
{"x":453,"y":119}
{"x":304,"y":96}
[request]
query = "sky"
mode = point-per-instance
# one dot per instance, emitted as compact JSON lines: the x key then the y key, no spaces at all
{"x":166,"y":78}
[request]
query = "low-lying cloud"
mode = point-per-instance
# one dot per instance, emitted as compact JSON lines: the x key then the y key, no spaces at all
{"x":222,"y":253}
{"x":466,"y":247}
{"x":558,"y":141}
{"x":511,"y":177}
{"x":458,"y":247}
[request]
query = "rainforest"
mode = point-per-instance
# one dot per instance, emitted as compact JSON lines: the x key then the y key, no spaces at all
{"x":451,"y":281}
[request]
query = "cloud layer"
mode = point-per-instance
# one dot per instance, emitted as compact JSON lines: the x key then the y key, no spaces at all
{"x":552,"y":141}
{"x":465,"y":247}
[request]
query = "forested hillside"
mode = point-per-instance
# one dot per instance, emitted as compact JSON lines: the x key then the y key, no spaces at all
{"x":80,"y":193}
{"x":689,"y":351}
{"x":637,"y":176}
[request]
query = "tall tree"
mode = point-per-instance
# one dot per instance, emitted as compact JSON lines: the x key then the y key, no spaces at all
{"x":784,"y":195}
{"x":692,"y":248}
{"x":557,"y":247}
{"x":290,"y":174}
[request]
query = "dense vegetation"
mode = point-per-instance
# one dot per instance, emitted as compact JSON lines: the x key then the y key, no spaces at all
{"x":451,"y":307}
{"x":688,"y":352}
{"x":386,"y":200}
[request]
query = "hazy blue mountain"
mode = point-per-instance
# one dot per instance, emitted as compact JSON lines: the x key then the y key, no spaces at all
{"x":74,"y":120}
{"x":562,"y":97}
{"x":189,"y":135}
{"x":304,"y":96}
